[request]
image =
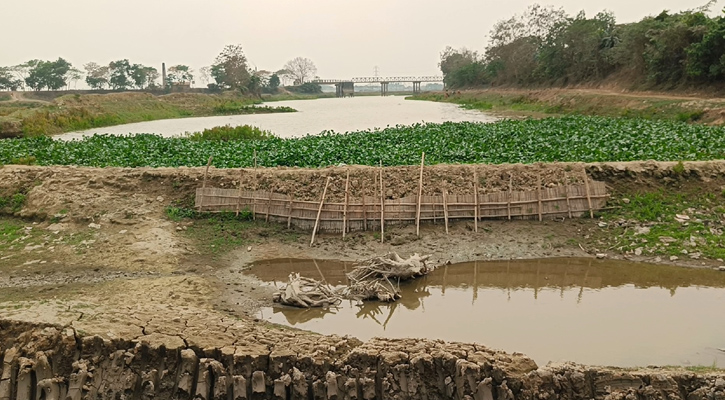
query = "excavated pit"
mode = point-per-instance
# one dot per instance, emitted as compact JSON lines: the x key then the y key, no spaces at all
{"x":597,"y":312}
{"x":104,"y":297}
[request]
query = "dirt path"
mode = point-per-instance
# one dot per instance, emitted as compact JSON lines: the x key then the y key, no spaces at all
{"x":19,"y":96}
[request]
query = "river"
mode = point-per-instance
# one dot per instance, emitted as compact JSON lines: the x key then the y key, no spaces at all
{"x":313,"y":117}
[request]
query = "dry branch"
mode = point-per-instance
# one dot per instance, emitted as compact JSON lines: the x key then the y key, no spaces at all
{"x":371,"y":279}
{"x":306,"y":293}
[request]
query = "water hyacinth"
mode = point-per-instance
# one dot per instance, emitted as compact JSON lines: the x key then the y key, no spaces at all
{"x":573,"y":138}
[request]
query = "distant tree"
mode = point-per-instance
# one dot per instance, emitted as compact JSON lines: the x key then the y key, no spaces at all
{"x":273,"y":84}
{"x":120,"y":74}
{"x":452,"y":59}
{"x":23,"y":70}
{"x":152,"y":77}
{"x":143,"y":76}
{"x":285,"y":77}
{"x":706,"y":58}
{"x":306,"y":88}
{"x":179,"y":74}
{"x":97,"y":76}
{"x":205,"y":75}
{"x":255,"y":84}
{"x":230,"y":69}
{"x":48,"y":74}
{"x":301,"y":69}
{"x":73,"y":76}
{"x":7,"y":79}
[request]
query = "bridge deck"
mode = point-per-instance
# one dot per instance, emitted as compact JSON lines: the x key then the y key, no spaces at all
{"x":378,"y":79}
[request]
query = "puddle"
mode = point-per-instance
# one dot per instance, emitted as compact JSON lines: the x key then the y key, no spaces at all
{"x":587,"y":311}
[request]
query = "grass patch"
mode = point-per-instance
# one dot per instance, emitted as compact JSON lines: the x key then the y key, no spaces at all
{"x":10,"y":231}
{"x":218,"y":233}
{"x":228,"y":133}
{"x":12,"y":203}
{"x":80,"y":112}
{"x":668,"y":224}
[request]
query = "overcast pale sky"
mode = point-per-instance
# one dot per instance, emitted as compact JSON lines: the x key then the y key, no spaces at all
{"x":345,"y":38}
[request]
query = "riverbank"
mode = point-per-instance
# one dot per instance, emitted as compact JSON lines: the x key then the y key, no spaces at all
{"x":538,"y":103}
{"x":27,"y":117}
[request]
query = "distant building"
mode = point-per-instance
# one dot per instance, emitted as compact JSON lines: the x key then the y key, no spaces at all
{"x":180,"y":86}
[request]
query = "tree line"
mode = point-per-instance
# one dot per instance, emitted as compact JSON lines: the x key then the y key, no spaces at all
{"x":230,"y":71}
{"x":546,"y":46}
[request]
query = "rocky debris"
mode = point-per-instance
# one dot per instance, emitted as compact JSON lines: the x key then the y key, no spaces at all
{"x":60,"y":363}
{"x":682,"y":218}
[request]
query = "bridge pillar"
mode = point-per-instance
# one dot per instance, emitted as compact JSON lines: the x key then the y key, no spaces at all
{"x":347,"y":89}
{"x":416,"y":87}
{"x":383,"y":88}
{"x":338,"y":90}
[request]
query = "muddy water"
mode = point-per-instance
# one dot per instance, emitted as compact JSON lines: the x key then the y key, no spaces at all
{"x":314,"y":116}
{"x":587,"y":311}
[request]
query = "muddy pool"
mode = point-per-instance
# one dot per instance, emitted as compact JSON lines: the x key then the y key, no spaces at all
{"x":597,"y":312}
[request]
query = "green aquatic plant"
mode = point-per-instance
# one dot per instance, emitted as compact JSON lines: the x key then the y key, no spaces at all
{"x":571,"y":138}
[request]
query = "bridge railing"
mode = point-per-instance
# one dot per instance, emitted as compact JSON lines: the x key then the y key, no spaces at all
{"x":378,"y":79}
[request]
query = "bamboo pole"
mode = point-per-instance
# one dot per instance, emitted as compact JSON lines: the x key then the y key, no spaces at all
{"x":510,"y":193}
{"x":289,"y":217}
{"x":445,"y":208}
{"x":255,"y":158}
{"x":269,"y":206}
{"x":420,"y":195}
{"x":347,"y":200}
{"x":239,"y":199}
{"x":319,"y":211}
{"x":475,"y":200}
{"x":364,"y":207}
{"x":203,"y":184}
{"x":538,"y":198}
{"x":382,"y":205}
{"x":568,"y":199}
{"x":206,"y":172}
{"x":589,"y":197}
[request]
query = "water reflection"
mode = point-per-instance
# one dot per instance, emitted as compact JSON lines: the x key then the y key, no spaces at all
{"x":589,"y":311}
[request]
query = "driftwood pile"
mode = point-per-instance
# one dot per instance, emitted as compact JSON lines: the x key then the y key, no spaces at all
{"x":375,"y":279}
{"x":305,"y":293}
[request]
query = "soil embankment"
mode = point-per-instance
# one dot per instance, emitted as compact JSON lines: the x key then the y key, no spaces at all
{"x":539,"y":103}
{"x":57,"y":362}
{"x":104,"y":294}
{"x":31,"y":115}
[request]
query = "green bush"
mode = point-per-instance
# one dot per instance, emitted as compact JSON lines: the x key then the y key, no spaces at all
{"x":12,"y":204}
{"x":229,"y":133}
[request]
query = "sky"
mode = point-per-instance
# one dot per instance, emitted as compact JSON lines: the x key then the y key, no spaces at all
{"x":344,"y":38}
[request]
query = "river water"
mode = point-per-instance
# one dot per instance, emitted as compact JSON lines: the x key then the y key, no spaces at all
{"x":313,"y":117}
{"x":588,"y":311}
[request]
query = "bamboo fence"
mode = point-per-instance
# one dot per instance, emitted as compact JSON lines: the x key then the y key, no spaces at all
{"x":374,"y":213}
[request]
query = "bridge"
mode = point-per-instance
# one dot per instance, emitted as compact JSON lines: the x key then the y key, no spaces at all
{"x":346,"y":87}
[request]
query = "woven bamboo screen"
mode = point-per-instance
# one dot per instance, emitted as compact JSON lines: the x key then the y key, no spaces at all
{"x":367,"y":213}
